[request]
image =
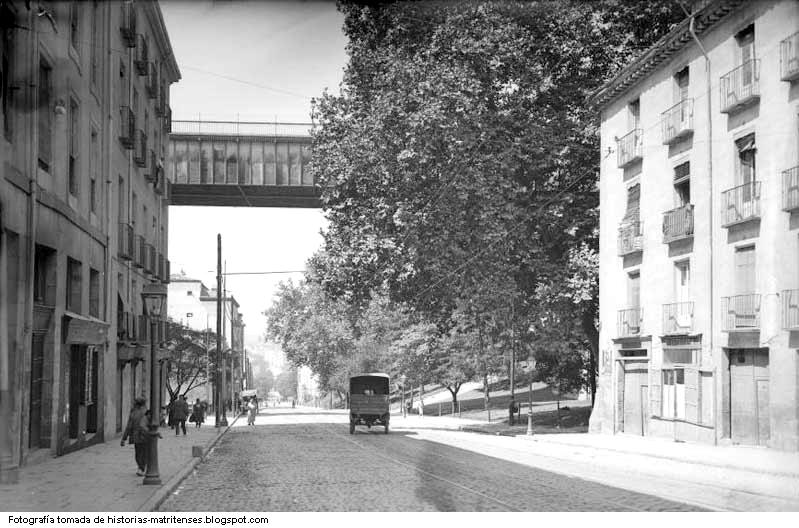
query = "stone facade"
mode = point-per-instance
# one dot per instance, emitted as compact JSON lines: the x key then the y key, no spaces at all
{"x":699,"y":232}
{"x":86,"y":120}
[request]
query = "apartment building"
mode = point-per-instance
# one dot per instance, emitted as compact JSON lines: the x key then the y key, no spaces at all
{"x":699,"y":232}
{"x":85,"y":112}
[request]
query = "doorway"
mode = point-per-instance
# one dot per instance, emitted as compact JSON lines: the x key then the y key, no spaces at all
{"x":749,"y":396}
{"x":635,"y":400}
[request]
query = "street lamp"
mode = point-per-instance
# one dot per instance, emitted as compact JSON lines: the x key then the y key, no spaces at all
{"x":154,"y":297}
{"x":403,"y":379}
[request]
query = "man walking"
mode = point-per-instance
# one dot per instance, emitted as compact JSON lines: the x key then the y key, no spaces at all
{"x":136,"y":430}
{"x":181,"y":412}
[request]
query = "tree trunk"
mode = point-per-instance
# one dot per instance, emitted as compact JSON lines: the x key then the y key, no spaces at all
{"x":421,"y":399}
{"x":592,"y":334}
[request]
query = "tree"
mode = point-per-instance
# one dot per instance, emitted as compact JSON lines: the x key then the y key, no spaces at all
{"x":286,"y":383}
{"x":189,"y":362}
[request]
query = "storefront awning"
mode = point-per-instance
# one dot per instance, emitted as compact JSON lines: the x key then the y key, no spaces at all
{"x":82,"y":330}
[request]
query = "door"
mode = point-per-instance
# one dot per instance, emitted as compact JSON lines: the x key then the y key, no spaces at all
{"x":36,"y":395}
{"x":749,"y":396}
{"x":635,"y":397}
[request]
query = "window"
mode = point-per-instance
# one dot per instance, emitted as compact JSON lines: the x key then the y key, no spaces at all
{"x":144,"y":220}
{"x":681,"y":80}
{"x":74,"y":146}
{"x":121,"y":199}
{"x":6,"y":42}
{"x":73,"y":285}
{"x":74,"y":25}
{"x":123,"y":84}
{"x":634,"y":114}
{"x":745,"y":270}
{"x":94,"y":172}
{"x":746,"y":47}
{"x":44,"y":110}
{"x":746,"y":160}
{"x":135,"y":103}
{"x":94,"y":43}
{"x":189,"y":293}
{"x":94,"y":293}
{"x":133,"y":211}
{"x":682,"y":281}
{"x":682,"y":183}
{"x":634,"y":290}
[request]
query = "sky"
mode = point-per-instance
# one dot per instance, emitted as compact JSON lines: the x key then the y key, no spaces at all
{"x":251,"y":61}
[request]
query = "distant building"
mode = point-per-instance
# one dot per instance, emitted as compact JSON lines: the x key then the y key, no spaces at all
{"x":699,"y":232}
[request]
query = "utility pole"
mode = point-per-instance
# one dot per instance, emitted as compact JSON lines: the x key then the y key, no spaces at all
{"x":221,"y":418}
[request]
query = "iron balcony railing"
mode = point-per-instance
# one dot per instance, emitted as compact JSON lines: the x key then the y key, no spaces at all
{"x":740,"y":204}
{"x":244,"y":128}
{"x":127,"y":127}
{"x":139,"y":251}
{"x":630,"y":321}
{"x":740,"y":312}
{"x":152,"y":168}
{"x":790,"y":189}
{"x":152,"y":80}
{"x":631,"y":238}
{"x":789,"y":58}
{"x":630,"y":147}
{"x":125,"y":245}
{"x":141,"y":56}
{"x":128,"y":27}
{"x":124,"y":326}
{"x":678,"y":318}
{"x":741,"y":86}
{"x":678,"y":121}
{"x":790,"y":309}
{"x":140,"y":152}
{"x":678,"y":223}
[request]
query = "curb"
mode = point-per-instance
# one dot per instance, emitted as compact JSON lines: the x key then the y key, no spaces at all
{"x":470,"y":429}
{"x":160,"y":495}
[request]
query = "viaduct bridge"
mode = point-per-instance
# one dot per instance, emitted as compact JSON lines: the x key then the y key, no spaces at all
{"x":241,"y":164}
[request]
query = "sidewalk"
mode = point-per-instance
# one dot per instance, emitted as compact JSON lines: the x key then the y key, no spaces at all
{"x":103,"y":477}
{"x":731,"y":478}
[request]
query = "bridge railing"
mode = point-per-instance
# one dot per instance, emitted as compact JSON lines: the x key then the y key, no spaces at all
{"x":241,"y":128}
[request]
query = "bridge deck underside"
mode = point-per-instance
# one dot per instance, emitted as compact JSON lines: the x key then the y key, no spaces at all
{"x":232,"y":195}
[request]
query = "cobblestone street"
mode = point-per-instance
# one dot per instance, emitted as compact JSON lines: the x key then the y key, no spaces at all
{"x":306,"y":461}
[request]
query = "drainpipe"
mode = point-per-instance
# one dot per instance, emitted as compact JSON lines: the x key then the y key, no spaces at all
{"x":710,"y":208}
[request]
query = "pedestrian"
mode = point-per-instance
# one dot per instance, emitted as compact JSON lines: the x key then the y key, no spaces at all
{"x":136,"y":431}
{"x":252,"y":411}
{"x":179,"y":414}
{"x":170,"y":408}
{"x":198,"y":412}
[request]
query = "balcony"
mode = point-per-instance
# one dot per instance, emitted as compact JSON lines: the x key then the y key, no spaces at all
{"x":152,"y":80}
{"x":141,"y":56}
{"x":629,"y":322}
{"x":125,"y":242}
{"x":152,"y":168}
{"x":127,"y":126}
{"x":740,"y":87}
{"x":139,"y":258}
{"x":678,"y":223}
{"x":790,"y":189}
{"x":740,"y":312}
{"x":789,"y":58}
{"x":140,"y":152}
{"x":631,"y":238}
{"x":128,"y":27}
{"x":630,"y":148}
{"x":790,"y":309}
{"x":740,"y":204}
{"x":678,"y":121}
{"x":678,"y":318}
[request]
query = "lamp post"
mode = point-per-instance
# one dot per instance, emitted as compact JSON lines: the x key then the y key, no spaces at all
{"x":403,"y":378}
{"x":154,"y":298}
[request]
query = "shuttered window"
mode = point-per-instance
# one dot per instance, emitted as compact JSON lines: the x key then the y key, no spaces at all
{"x":44,"y":110}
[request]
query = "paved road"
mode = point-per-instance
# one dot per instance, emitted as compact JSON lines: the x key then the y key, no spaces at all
{"x":306,"y":461}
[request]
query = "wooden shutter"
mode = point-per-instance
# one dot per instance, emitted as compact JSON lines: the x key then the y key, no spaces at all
{"x":691,"y":394}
